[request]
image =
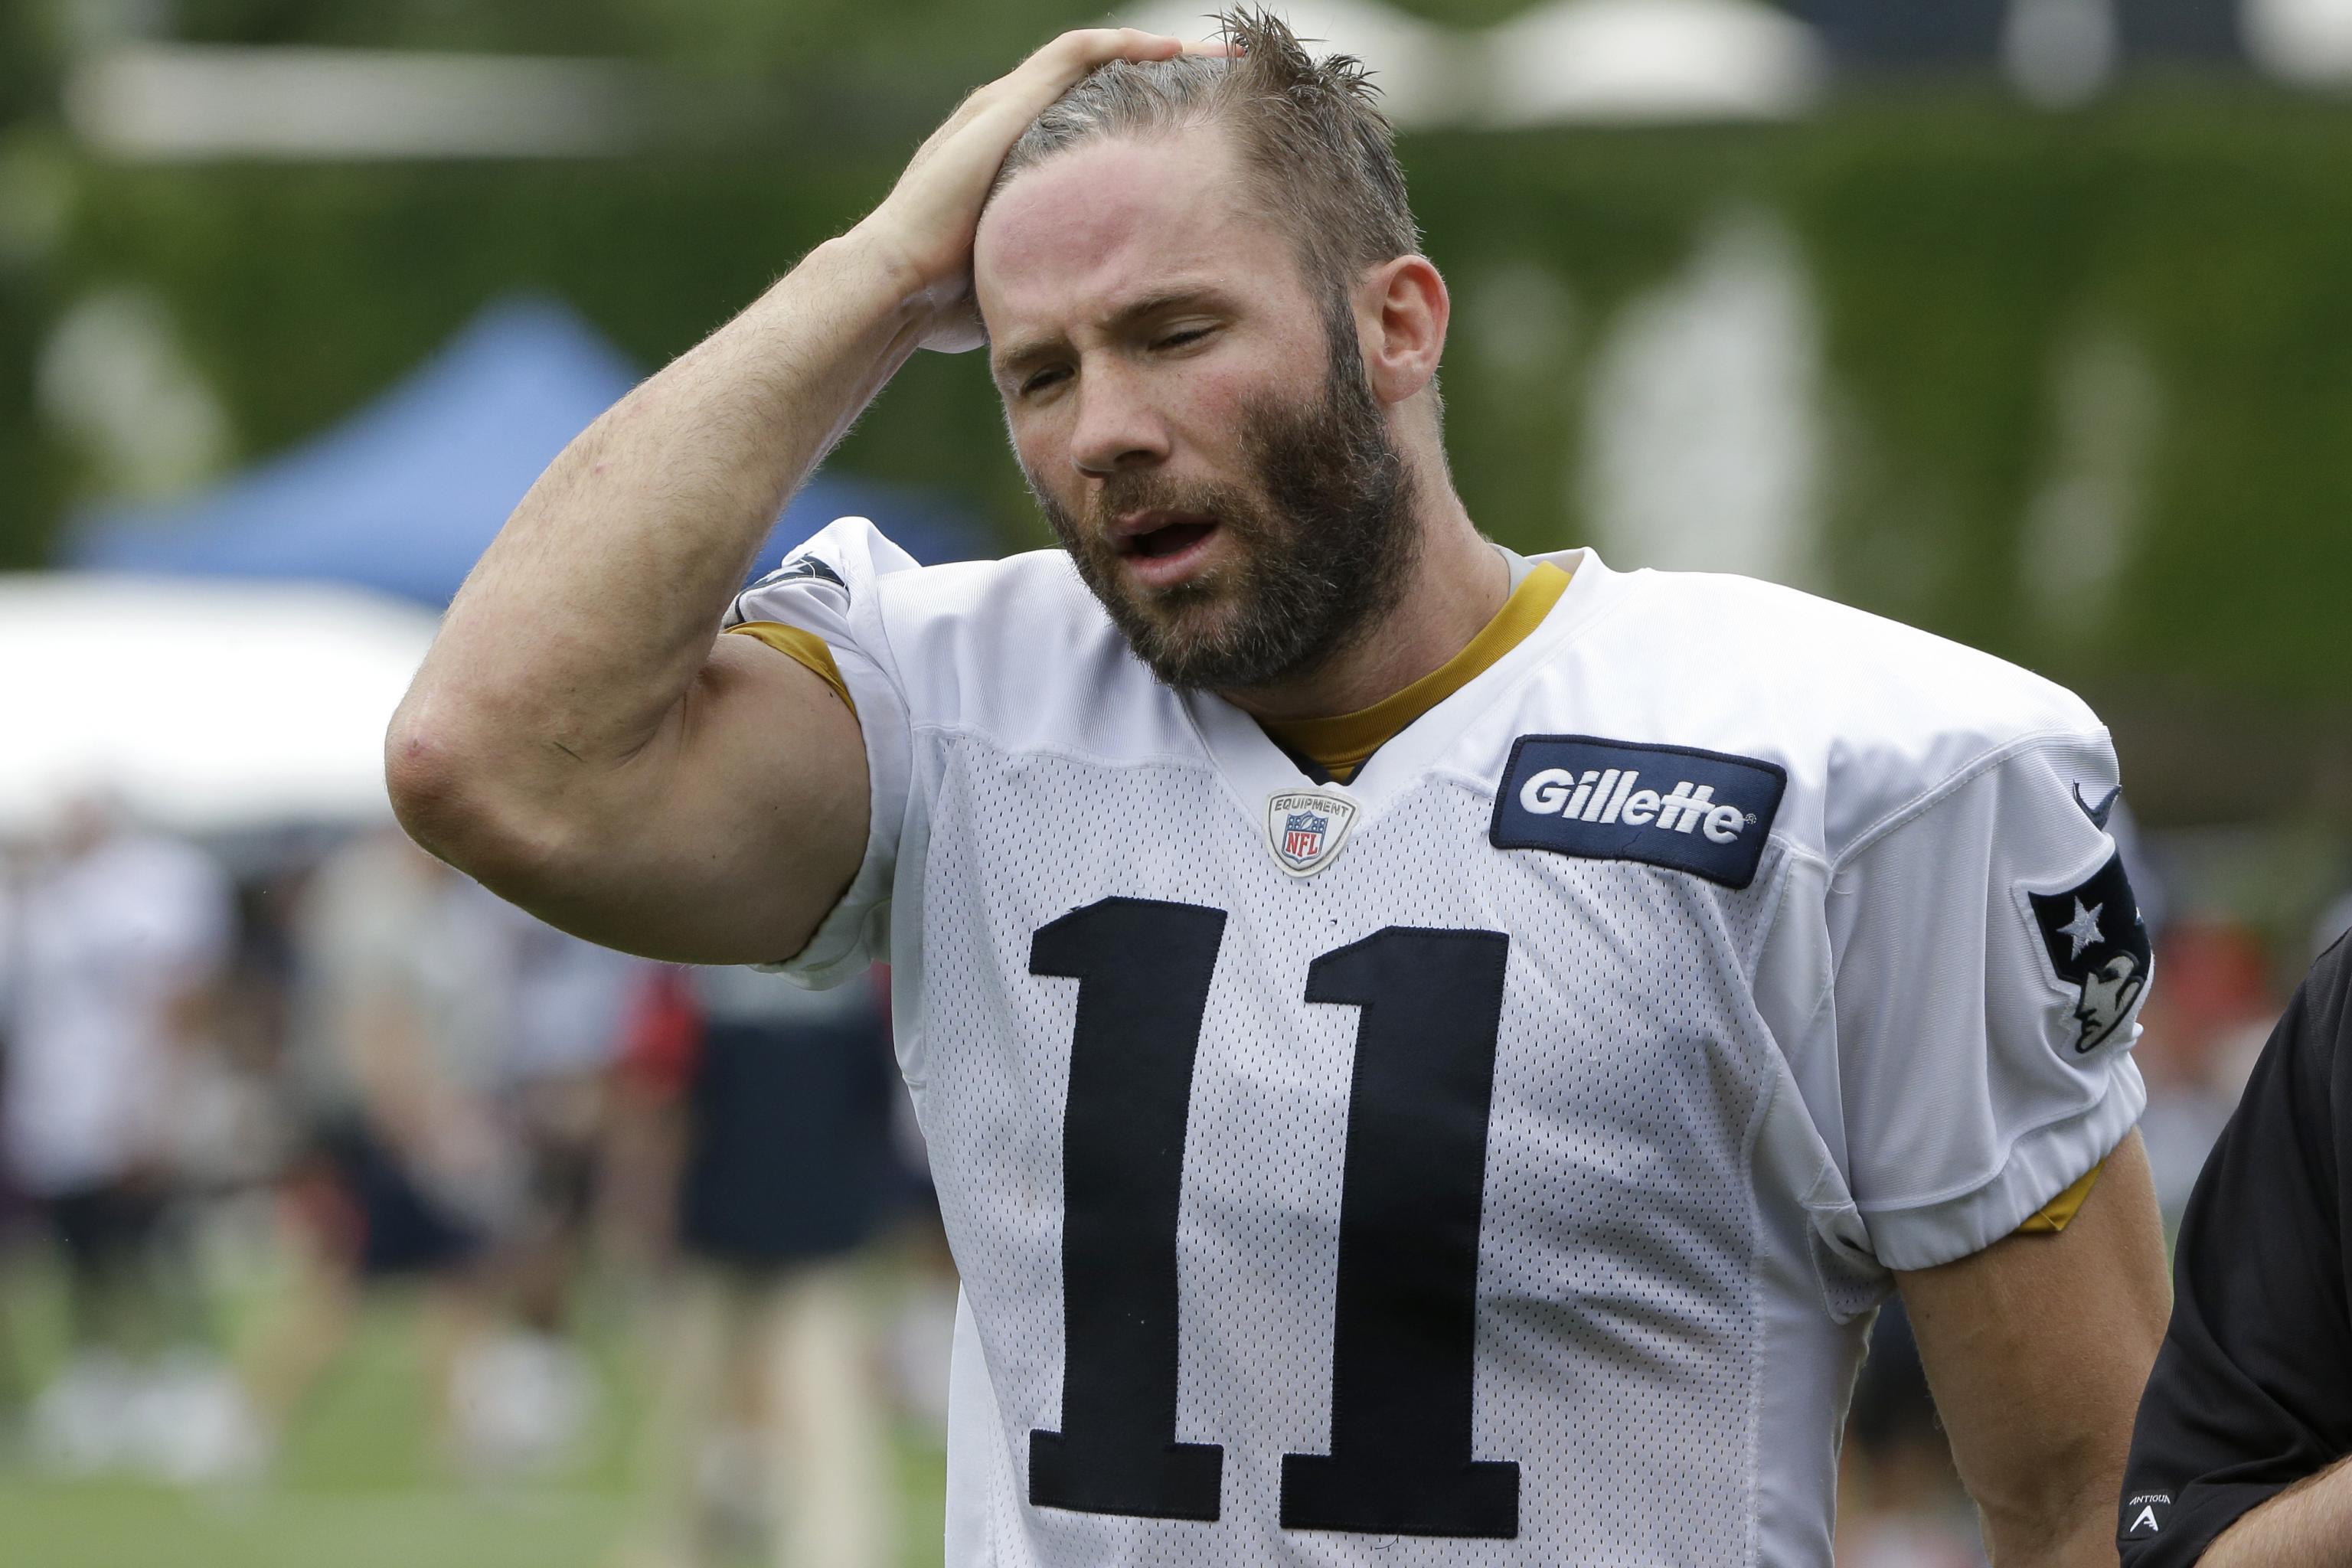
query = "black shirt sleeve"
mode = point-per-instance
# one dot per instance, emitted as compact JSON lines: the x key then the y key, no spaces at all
{"x":2252,"y":1389}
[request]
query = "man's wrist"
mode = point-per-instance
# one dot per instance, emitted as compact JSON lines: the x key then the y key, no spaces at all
{"x":2308,"y":1525}
{"x":871,"y":256}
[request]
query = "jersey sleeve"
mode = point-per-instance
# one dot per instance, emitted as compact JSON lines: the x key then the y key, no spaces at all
{"x":2253,"y":1388}
{"x":828,"y":587}
{"x":1989,"y":963}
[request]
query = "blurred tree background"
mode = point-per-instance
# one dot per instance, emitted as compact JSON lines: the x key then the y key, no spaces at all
{"x":2070,"y":385}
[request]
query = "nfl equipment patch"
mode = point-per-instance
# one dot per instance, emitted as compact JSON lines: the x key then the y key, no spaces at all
{"x":2098,"y":943}
{"x":1687,"y":810}
{"x":1306,"y":827}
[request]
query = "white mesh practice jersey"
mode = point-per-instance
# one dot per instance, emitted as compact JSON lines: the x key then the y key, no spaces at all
{"x":1495,"y":1158}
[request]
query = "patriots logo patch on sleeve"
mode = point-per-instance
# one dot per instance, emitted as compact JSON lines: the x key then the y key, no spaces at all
{"x":2098,"y":944}
{"x":795,"y":569}
{"x":803,"y":566}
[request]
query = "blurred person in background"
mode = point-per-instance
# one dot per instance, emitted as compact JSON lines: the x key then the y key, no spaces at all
{"x":118,"y":939}
{"x":15,"y":1219}
{"x":2333,"y":923}
{"x":2239,"y":1455}
{"x":404,"y":992}
{"x":776,"y":1105}
{"x":567,"y":1001}
{"x":570,"y":1003}
{"x":2202,"y":1031}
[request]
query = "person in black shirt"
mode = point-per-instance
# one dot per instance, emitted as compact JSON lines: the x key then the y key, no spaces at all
{"x":2237,"y":1455}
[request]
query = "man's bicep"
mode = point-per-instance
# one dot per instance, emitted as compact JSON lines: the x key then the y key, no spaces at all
{"x":2037,"y":1348}
{"x":745,"y":820}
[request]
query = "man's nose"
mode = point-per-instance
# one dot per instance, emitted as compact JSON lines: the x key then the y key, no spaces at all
{"x":1117,"y":428}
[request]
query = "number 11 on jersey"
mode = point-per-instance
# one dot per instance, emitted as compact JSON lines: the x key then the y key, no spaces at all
{"x":1411,"y":1193}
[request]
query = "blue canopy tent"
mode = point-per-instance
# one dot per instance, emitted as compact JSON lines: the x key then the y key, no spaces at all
{"x":403,"y":496}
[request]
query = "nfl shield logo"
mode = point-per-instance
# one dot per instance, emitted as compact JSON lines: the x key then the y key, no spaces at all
{"x":1306,"y":827}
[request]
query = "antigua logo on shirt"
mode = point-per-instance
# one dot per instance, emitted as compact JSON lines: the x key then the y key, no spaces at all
{"x":1687,"y":810}
{"x":2098,"y":944}
{"x":2144,"y":1515}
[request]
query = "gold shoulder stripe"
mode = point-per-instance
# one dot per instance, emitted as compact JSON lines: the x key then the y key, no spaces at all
{"x":1339,"y":744}
{"x":2054,"y":1216}
{"x":803,"y":648}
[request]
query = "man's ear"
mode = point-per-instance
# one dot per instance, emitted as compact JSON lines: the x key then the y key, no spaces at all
{"x":1402,"y":310}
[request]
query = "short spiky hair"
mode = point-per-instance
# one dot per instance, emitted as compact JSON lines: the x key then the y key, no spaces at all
{"x":1322,"y":156}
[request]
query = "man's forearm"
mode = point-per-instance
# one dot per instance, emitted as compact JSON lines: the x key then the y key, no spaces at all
{"x":2080,"y":1535}
{"x":2309,"y":1525}
{"x":594,"y":609}
{"x":2037,"y":1348}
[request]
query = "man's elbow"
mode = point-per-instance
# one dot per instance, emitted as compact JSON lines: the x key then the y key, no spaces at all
{"x":449,"y":797}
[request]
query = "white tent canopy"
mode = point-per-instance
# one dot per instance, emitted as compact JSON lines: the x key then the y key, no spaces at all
{"x":1569,"y":62}
{"x":1649,"y":60}
{"x":201,"y":706}
{"x":2308,"y":42}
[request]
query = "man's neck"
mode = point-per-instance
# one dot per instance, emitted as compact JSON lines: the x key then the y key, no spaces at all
{"x":1458,"y":583}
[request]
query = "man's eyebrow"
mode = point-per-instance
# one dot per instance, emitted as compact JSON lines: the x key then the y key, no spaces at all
{"x":1028,"y":352}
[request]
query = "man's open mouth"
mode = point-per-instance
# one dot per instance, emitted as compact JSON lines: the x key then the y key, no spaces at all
{"x":1172,"y":539}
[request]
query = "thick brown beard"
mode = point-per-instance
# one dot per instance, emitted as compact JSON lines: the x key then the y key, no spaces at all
{"x":1320,"y":547}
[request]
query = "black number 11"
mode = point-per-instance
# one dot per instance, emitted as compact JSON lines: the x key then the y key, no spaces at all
{"x":1411,"y":1191}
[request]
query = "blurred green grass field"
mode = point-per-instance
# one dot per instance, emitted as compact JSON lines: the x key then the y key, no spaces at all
{"x":357,"y":1484}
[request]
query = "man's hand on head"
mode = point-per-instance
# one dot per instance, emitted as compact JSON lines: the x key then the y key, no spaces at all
{"x":924,"y":225}
{"x":580,"y":738}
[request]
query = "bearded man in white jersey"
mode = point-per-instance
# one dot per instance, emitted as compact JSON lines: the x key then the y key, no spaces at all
{"x":1428,"y":1057}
